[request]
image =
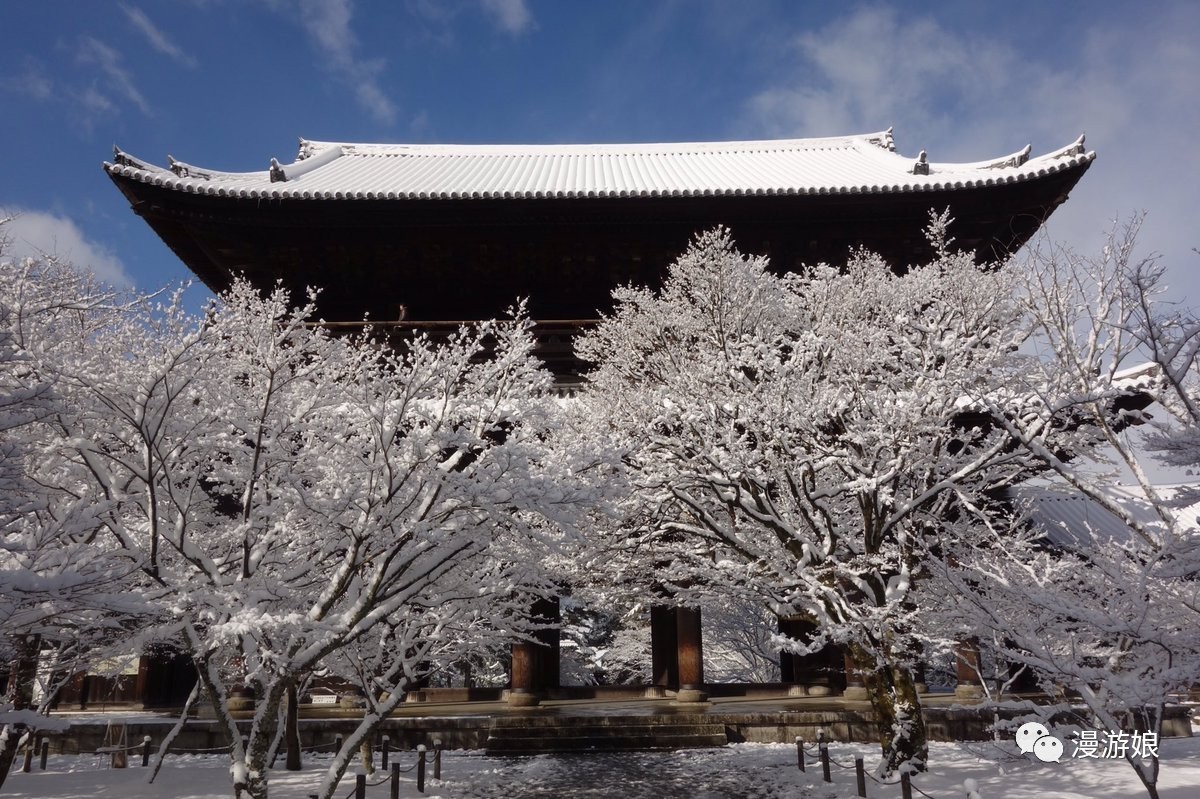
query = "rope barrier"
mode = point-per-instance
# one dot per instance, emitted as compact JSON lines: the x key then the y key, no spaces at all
{"x":918,"y":790}
{"x":108,"y":750}
{"x":836,"y":763}
{"x":224,"y":748}
{"x":827,"y":759}
{"x":1008,"y":756}
{"x":878,"y":781}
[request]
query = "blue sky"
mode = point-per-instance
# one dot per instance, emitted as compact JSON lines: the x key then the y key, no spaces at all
{"x":229,"y":84}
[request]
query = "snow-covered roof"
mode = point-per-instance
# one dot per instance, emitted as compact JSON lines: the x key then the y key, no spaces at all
{"x":861,"y":164}
{"x":1071,"y":520}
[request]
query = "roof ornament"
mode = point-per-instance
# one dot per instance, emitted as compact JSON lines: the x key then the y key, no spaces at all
{"x":178,"y":167}
{"x":884,"y":140}
{"x":122,"y":158}
{"x":1074,"y":148}
{"x":921,"y":167}
{"x":1014,"y":160}
{"x":277,"y":173}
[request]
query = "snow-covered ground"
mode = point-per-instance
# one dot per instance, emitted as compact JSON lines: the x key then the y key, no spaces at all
{"x":742,"y":771}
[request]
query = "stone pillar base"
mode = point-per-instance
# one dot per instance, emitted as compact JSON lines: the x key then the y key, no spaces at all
{"x":921,"y":688}
{"x":819,"y":690}
{"x":855,"y":693}
{"x":690,"y":696}
{"x":968,"y":692}
{"x":519,"y":698}
{"x":352,"y":701}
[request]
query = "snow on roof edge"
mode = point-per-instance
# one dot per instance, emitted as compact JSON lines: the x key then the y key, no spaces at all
{"x":895,"y":173}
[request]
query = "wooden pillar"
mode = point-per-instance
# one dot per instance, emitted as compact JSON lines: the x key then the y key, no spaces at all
{"x":808,"y":674}
{"x":548,"y":611}
{"x":918,"y":675}
{"x":856,"y":689}
{"x":523,"y":674}
{"x":788,"y":671}
{"x":664,"y":649}
{"x":1024,"y":681}
{"x":22,"y":670}
{"x":141,"y":690}
{"x":968,"y":669}
{"x":691,"y":654}
{"x":535,"y":664}
{"x":524,"y":666}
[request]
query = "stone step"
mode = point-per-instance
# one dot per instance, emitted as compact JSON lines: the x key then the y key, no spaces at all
{"x":551,"y":720}
{"x":607,"y":731}
{"x":613,"y":734}
{"x":624,"y":743}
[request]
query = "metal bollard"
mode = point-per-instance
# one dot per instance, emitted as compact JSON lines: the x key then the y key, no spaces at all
{"x":395,"y":786}
{"x":384,"y":749}
{"x":825,"y":762}
{"x":27,"y":764}
{"x":437,"y":759}
{"x":905,"y":785}
{"x":44,"y":753}
{"x":800,"y":752}
{"x":145,"y":751}
{"x":421,"y":768}
{"x":360,"y":785}
{"x":861,"y":774}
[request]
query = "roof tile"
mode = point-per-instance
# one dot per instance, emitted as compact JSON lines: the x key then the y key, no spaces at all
{"x":841,"y":165}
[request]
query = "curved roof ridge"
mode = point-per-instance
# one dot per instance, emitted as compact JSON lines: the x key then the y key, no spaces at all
{"x":859,"y":164}
{"x":310,"y":147}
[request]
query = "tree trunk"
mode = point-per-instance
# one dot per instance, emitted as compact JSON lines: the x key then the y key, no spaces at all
{"x":257,"y":764}
{"x":21,"y":676}
{"x":893,"y":696}
{"x":292,"y":733}
{"x":10,"y":736}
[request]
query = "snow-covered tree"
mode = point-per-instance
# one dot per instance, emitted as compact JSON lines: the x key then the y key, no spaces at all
{"x":1108,"y":612}
{"x":799,"y":441}
{"x":297,"y":501}
{"x":60,"y":597}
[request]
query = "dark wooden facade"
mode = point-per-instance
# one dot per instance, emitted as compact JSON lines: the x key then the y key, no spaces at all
{"x":470,"y":259}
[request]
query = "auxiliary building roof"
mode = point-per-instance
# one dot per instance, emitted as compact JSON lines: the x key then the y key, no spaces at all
{"x":861,"y":164}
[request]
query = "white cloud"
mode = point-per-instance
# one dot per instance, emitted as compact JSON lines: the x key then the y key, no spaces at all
{"x":33,"y":82}
{"x":34,"y":234}
{"x":157,"y":38}
{"x":1129,"y":83}
{"x":94,"y":51}
{"x":95,"y":102}
{"x":873,"y":69}
{"x":327,"y":23}
{"x":512,"y":16}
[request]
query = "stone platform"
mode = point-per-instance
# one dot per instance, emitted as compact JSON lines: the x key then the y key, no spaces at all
{"x":601,"y":722}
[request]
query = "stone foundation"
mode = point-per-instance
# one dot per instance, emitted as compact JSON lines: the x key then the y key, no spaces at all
{"x":794,"y":718}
